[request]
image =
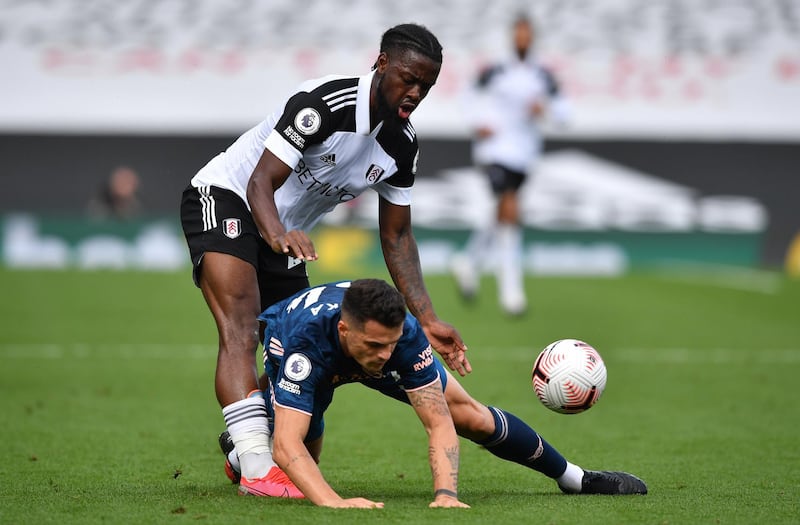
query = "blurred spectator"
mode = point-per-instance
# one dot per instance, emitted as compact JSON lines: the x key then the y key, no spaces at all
{"x":118,"y":198}
{"x":507,"y":107}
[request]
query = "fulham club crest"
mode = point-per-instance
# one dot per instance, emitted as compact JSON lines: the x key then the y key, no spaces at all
{"x":374,"y":174}
{"x":232,"y":228}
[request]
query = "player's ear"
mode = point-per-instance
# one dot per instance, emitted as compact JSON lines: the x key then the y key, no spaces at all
{"x":381,"y":62}
{"x":342,"y":327}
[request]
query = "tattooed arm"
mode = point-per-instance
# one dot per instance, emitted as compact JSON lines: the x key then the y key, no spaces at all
{"x":402,"y":260}
{"x":443,"y":448}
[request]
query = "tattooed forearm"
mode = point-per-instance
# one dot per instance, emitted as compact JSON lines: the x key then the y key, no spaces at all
{"x":298,"y":457}
{"x":430,"y":398}
{"x":453,"y":455}
{"x":451,"y":470}
{"x":402,"y":261}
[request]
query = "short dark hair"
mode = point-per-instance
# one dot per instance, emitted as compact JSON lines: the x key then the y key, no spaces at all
{"x":412,"y":37}
{"x":374,"y":299}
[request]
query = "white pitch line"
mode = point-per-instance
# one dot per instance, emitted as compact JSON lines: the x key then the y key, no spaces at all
{"x":722,"y":356}
{"x":642,"y":355}
{"x":722,"y":276}
{"x":99,"y":350}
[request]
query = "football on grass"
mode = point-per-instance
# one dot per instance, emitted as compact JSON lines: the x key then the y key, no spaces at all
{"x":569,"y":376}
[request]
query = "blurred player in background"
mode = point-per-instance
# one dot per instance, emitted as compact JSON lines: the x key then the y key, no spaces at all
{"x":245,"y":216}
{"x":507,"y":107}
{"x":359,"y":331}
{"x":118,"y":198}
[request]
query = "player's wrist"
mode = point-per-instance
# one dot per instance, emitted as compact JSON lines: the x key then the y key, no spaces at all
{"x":445,"y":492}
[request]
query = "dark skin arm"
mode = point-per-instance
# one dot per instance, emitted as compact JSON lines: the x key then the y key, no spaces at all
{"x":402,"y":260}
{"x":270,"y":173}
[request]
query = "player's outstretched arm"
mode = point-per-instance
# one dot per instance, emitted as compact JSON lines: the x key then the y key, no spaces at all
{"x":402,"y":260}
{"x":443,"y":446}
{"x":291,"y":454}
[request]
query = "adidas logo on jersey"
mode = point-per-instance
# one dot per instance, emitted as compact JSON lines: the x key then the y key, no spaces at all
{"x":329,"y":159}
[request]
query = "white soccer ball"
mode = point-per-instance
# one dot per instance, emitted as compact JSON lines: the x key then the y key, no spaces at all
{"x":569,"y":376}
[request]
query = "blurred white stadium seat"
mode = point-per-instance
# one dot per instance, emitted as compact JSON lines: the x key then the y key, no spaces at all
{"x":658,"y":67}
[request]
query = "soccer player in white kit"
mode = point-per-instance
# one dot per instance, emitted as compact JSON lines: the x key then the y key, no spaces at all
{"x":506,"y":107}
{"x":246,"y":213}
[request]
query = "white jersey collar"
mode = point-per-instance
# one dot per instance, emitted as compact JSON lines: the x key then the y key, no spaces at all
{"x":362,"y":103}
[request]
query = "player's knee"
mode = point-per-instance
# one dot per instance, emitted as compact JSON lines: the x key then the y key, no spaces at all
{"x":238,"y":339}
{"x":472,"y":420}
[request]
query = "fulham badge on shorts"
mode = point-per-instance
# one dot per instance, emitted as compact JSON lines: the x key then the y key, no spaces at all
{"x":232,"y":228}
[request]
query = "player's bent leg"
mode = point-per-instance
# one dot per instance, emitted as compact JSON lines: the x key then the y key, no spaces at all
{"x":472,"y":419}
{"x":510,"y":438}
{"x":230,"y":288}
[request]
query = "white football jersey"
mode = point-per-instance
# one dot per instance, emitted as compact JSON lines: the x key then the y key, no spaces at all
{"x":501,"y":101}
{"x":323,"y":131}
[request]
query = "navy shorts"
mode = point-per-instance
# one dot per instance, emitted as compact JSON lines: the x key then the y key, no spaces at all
{"x":217,"y":220}
{"x":503,"y":179}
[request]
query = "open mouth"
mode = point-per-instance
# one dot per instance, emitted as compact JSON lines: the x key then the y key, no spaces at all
{"x":404,"y":111}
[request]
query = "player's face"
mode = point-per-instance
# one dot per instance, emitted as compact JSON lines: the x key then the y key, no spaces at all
{"x":403,"y":81}
{"x":523,"y":37}
{"x":371,"y":345}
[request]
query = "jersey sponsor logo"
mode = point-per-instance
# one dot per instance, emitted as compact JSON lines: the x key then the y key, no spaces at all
{"x":232,"y":228}
{"x":297,"y":367}
{"x":314,"y":185}
{"x":374,"y":173}
{"x":288,"y":386}
{"x":294,"y":137}
{"x":307,"y":121}
{"x":293,"y":261}
{"x":329,"y":160}
{"x":425,"y":359}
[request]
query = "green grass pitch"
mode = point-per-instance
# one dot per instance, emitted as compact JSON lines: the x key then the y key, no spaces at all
{"x":107,"y":410}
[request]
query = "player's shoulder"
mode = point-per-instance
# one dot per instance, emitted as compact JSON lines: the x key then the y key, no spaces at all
{"x":548,"y":76}
{"x":489,"y":73}
{"x":323,"y":105}
{"x":400,"y":142}
{"x":331,"y":88}
{"x":401,"y":135}
{"x":412,"y":329}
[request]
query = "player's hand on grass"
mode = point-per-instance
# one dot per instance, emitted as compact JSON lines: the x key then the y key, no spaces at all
{"x":446,"y":340}
{"x":356,"y":503}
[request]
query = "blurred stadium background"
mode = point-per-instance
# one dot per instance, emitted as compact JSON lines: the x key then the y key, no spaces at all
{"x":683,"y":151}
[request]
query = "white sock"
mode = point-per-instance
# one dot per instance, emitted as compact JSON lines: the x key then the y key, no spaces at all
{"x":510,"y":271}
{"x":479,"y":245}
{"x":571,"y":478}
{"x":249,"y":429}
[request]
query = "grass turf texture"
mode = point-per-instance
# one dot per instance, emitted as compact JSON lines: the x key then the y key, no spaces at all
{"x":107,"y":410}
